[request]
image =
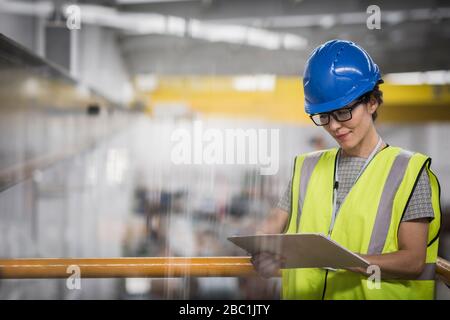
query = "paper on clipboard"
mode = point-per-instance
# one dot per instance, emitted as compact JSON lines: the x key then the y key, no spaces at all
{"x":302,"y":250}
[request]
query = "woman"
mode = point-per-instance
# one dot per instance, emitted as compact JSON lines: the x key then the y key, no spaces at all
{"x":379,"y":201}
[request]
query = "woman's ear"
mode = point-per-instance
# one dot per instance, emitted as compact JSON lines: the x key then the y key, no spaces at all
{"x":372,"y":105}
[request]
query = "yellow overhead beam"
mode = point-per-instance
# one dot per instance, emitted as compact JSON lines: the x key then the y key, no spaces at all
{"x":415,"y":103}
{"x":284,"y":103}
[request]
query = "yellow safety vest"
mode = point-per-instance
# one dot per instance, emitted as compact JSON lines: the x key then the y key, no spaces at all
{"x":367,"y":223}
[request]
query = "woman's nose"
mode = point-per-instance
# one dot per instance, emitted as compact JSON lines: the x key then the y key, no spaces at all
{"x":334,"y":124}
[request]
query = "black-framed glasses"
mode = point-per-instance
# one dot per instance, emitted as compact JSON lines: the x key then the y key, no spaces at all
{"x":341,"y":115}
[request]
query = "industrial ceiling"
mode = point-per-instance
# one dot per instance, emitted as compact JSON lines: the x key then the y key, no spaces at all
{"x":414,"y":35}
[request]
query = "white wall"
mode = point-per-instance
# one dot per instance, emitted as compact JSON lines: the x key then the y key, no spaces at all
{"x":20,"y":28}
{"x":100,"y":63}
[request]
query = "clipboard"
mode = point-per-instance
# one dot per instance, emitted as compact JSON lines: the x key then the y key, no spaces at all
{"x":302,"y":250}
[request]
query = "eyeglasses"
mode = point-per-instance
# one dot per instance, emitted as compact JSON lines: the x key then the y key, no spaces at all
{"x":341,"y":115}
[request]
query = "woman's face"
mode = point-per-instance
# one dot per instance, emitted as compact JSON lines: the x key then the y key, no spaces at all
{"x":349,"y":134}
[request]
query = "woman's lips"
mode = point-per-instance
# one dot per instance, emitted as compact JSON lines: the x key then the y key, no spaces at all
{"x":342,"y":136}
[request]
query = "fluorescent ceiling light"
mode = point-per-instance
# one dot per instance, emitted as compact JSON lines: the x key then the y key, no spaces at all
{"x":149,"y":1}
{"x":41,"y":9}
{"x":146,"y":82}
{"x":327,"y":21}
{"x":294,"y":42}
{"x":394,"y":17}
{"x":245,"y":35}
{"x":438,"y":77}
{"x":263,"y":38}
{"x":149,"y":23}
{"x":254,"y":83}
{"x":347,"y":18}
{"x":217,"y":32}
{"x":176,"y":26}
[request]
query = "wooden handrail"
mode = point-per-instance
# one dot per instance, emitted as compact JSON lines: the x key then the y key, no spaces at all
{"x":154,"y":267}
{"x":443,"y":270}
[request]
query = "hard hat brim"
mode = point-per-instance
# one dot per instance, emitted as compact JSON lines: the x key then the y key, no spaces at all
{"x":362,"y":88}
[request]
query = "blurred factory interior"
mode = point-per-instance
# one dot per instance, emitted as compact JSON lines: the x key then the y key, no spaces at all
{"x":89,"y":104}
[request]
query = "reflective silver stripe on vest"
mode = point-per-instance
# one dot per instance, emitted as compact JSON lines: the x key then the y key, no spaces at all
{"x":307,"y":168}
{"x":429,"y":273}
{"x":383,"y":219}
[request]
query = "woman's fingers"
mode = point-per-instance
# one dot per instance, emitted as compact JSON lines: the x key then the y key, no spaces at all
{"x":267,"y":264}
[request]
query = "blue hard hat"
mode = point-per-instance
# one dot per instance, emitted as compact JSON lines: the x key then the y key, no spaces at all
{"x":337,"y":73}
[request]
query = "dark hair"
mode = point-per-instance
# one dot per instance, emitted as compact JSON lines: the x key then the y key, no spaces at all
{"x":376,"y":94}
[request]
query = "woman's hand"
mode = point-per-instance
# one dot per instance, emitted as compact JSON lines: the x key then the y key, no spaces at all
{"x":359,"y":270}
{"x":267,"y":264}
